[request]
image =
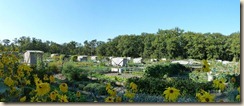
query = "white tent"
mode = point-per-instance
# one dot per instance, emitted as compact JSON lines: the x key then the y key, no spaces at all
{"x":31,"y":56}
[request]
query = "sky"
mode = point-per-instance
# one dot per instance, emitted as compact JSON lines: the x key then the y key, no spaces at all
{"x":62,"y":21}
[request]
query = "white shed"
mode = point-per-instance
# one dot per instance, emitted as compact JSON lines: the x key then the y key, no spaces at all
{"x":82,"y":58}
{"x":137,"y":60}
{"x":94,"y":58}
{"x":119,"y":61}
{"x":31,"y":56}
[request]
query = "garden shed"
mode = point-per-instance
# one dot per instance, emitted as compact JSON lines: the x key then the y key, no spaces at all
{"x":94,"y":58}
{"x":119,"y":61}
{"x":31,"y":56}
{"x":137,"y":60}
{"x":82,"y":58}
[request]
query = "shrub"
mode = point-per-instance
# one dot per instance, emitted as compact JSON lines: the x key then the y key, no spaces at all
{"x":160,"y":70}
{"x":73,"y":58}
{"x":52,"y":67}
{"x":71,"y":71}
{"x":96,"y":88}
{"x":156,"y":86}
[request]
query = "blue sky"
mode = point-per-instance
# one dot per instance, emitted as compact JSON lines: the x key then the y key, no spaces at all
{"x":79,"y":20}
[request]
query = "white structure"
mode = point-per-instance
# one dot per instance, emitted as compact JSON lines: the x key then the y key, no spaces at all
{"x":219,"y":61}
{"x":94,"y":58}
{"x":210,"y":77}
{"x":226,"y":62}
{"x":31,"y":56}
{"x":53,"y":55}
{"x":137,"y":60}
{"x":82,"y":58}
{"x":120,"y":70}
{"x":154,"y":60}
{"x":128,"y":58}
{"x":163,"y":59}
{"x":119,"y":61}
{"x":181,"y":62}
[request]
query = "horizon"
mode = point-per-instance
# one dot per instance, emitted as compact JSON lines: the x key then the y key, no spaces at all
{"x":65,"y":21}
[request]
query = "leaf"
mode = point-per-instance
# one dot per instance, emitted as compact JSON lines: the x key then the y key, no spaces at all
{"x":3,"y":87}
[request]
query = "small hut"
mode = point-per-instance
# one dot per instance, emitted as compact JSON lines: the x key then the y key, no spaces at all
{"x":31,"y":56}
{"x":82,"y":58}
{"x":94,"y":58}
{"x":119,"y":61}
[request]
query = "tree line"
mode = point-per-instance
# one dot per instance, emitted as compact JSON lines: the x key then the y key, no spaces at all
{"x":171,"y":43}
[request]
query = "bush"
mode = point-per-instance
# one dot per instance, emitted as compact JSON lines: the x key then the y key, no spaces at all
{"x":156,"y":86}
{"x":96,"y":88}
{"x":71,"y":71}
{"x":160,"y":70}
{"x":73,"y":58}
{"x":52,"y":67}
{"x":148,"y":85}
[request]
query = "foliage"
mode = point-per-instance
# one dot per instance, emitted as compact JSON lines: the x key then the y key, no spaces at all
{"x":160,"y":70}
{"x":154,"y":85}
{"x":71,"y":71}
{"x":96,"y":88}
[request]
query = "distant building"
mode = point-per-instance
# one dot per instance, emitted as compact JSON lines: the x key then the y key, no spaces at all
{"x":82,"y":58}
{"x":31,"y":56}
{"x":137,"y":60}
{"x":94,"y":58}
{"x":119,"y":61}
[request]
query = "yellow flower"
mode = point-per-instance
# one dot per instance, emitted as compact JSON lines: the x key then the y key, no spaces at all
{"x":51,"y":78}
{"x":238,"y":97}
{"x":109,"y":99}
{"x":171,"y":94}
{"x":133,"y":87}
{"x":8,"y":81}
{"x":63,"y":98}
{"x":78,"y":94}
{"x":108,"y":86}
{"x":118,"y":99}
{"x":53,"y":95}
{"x":45,"y":78}
{"x":22,"y":99}
{"x":129,"y":95}
{"x":205,"y":66}
{"x":37,"y":81}
{"x":239,"y":89}
{"x":219,"y":84}
{"x":63,"y":87}
{"x":207,"y":98}
{"x":42,"y":89}
{"x":112,"y":92}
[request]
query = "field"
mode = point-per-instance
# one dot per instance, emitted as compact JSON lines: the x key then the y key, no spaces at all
{"x":65,"y":80}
